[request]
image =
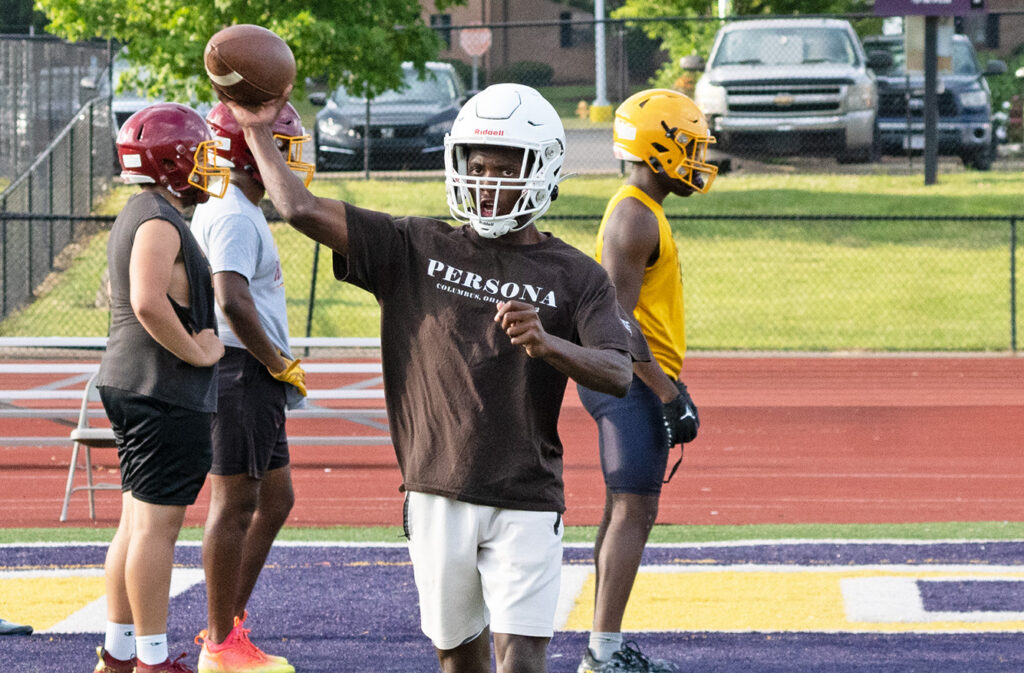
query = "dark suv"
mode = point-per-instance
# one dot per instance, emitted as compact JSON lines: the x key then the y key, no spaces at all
{"x":965,"y":104}
{"x":406,"y":127}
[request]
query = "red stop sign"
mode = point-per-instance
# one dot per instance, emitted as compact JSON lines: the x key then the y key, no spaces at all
{"x":475,"y":41}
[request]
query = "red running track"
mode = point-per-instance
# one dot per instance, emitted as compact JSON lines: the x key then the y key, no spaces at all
{"x":784,"y":440}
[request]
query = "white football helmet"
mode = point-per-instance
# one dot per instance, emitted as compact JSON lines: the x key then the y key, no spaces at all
{"x":505,"y":115}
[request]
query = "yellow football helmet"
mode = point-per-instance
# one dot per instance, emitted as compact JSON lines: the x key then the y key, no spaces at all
{"x":667,"y":131}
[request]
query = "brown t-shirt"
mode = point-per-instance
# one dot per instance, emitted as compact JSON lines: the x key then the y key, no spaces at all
{"x":472,"y":416}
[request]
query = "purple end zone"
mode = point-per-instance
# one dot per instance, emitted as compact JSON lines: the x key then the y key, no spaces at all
{"x":354,"y":609}
{"x":969,"y":596}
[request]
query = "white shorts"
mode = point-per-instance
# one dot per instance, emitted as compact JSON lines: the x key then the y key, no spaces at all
{"x":477,"y":566}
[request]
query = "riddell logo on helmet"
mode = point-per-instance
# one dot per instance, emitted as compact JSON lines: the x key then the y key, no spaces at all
{"x":489,"y":132}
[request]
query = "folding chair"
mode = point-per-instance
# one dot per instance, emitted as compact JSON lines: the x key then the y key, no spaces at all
{"x":86,"y":437}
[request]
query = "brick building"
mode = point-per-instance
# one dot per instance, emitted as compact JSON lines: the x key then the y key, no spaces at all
{"x":1000,"y":34}
{"x":563,"y":36}
{"x":567,"y":47}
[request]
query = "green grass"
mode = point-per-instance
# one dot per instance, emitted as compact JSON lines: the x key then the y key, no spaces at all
{"x":982,"y":530}
{"x":751,"y":284}
{"x":565,"y":98}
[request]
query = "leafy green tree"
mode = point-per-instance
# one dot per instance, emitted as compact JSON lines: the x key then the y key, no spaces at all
{"x":353,"y":42}
{"x":694,"y":36}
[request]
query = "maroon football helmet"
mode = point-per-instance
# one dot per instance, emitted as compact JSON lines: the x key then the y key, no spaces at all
{"x":288,"y":133}
{"x":170,"y":144}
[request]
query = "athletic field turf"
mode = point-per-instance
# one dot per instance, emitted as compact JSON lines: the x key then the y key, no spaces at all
{"x":746,"y":606}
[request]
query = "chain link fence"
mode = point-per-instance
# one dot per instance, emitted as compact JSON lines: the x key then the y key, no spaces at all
{"x":752,"y":282}
{"x":818,"y":282}
{"x":65,"y":181}
{"x":41,"y":91}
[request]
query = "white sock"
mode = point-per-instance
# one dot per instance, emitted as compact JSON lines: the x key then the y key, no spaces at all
{"x":152,"y":649}
{"x":120,"y":641}
{"x":604,"y":645}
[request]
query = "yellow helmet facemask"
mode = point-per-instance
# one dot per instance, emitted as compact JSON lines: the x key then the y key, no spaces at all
{"x":294,"y":144}
{"x":211,"y":173}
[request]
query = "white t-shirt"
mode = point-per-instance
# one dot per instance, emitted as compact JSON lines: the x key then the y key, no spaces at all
{"x":235,"y":236}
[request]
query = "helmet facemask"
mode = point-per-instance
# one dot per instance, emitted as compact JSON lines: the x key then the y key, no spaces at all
{"x":291,"y":147}
{"x":692,"y":168}
{"x":210,"y":173}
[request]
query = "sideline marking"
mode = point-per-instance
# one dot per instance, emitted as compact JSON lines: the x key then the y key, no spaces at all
{"x":75,"y":600}
{"x":898,"y":599}
{"x":786,"y":598}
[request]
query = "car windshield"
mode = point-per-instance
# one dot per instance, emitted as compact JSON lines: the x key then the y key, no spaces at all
{"x":785,"y":46}
{"x":964,"y":62}
{"x":438,"y":87}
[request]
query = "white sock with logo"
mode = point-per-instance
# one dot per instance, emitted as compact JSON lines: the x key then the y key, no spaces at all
{"x":120,"y":641}
{"x":604,"y":645}
{"x":152,"y":649}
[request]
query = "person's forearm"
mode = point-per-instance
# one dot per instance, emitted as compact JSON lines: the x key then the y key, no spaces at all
{"x":603,"y":370}
{"x":285,"y":189}
{"x":246,"y":325}
{"x":322,"y":220}
{"x":656,"y":379}
{"x":158,"y":318}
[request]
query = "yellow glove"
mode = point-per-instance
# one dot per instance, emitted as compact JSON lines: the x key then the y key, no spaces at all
{"x":292,"y":373}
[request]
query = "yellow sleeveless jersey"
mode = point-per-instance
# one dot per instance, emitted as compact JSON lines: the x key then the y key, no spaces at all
{"x":659,"y":310}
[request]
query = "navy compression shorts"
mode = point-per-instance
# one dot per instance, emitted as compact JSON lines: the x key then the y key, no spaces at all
{"x":632,"y":438}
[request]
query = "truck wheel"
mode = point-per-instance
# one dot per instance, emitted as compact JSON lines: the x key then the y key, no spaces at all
{"x":868,"y":154}
{"x":980,"y":160}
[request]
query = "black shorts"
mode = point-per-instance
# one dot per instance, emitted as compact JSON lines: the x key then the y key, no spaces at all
{"x":248,"y":430}
{"x":631,"y":435}
{"x":164,"y":449}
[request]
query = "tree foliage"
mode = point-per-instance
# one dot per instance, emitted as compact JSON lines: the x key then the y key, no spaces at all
{"x":358,"y":43}
{"x":681,"y":38}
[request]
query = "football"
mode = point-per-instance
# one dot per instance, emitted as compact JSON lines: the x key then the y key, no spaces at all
{"x":249,"y":64}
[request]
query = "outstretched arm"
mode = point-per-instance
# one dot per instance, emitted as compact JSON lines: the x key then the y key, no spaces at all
{"x":321,"y":219}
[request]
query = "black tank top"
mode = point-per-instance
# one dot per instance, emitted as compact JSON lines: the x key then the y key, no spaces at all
{"x":134,"y":361}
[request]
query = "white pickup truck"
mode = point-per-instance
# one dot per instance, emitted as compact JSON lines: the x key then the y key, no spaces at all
{"x":790,"y":86}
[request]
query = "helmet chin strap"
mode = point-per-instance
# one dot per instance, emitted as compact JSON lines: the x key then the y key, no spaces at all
{"x":492,"y":228}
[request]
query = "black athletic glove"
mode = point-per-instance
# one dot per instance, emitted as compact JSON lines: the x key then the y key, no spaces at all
{"x":681,"y":423}
{"x":681,"y":418}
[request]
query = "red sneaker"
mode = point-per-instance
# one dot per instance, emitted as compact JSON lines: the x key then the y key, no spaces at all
{"x":168,"y":666}
{"x":108,"y":664}
{"x":237,"y":654}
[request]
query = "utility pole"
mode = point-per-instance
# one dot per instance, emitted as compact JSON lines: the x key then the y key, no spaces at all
{"x":601,"y":108}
